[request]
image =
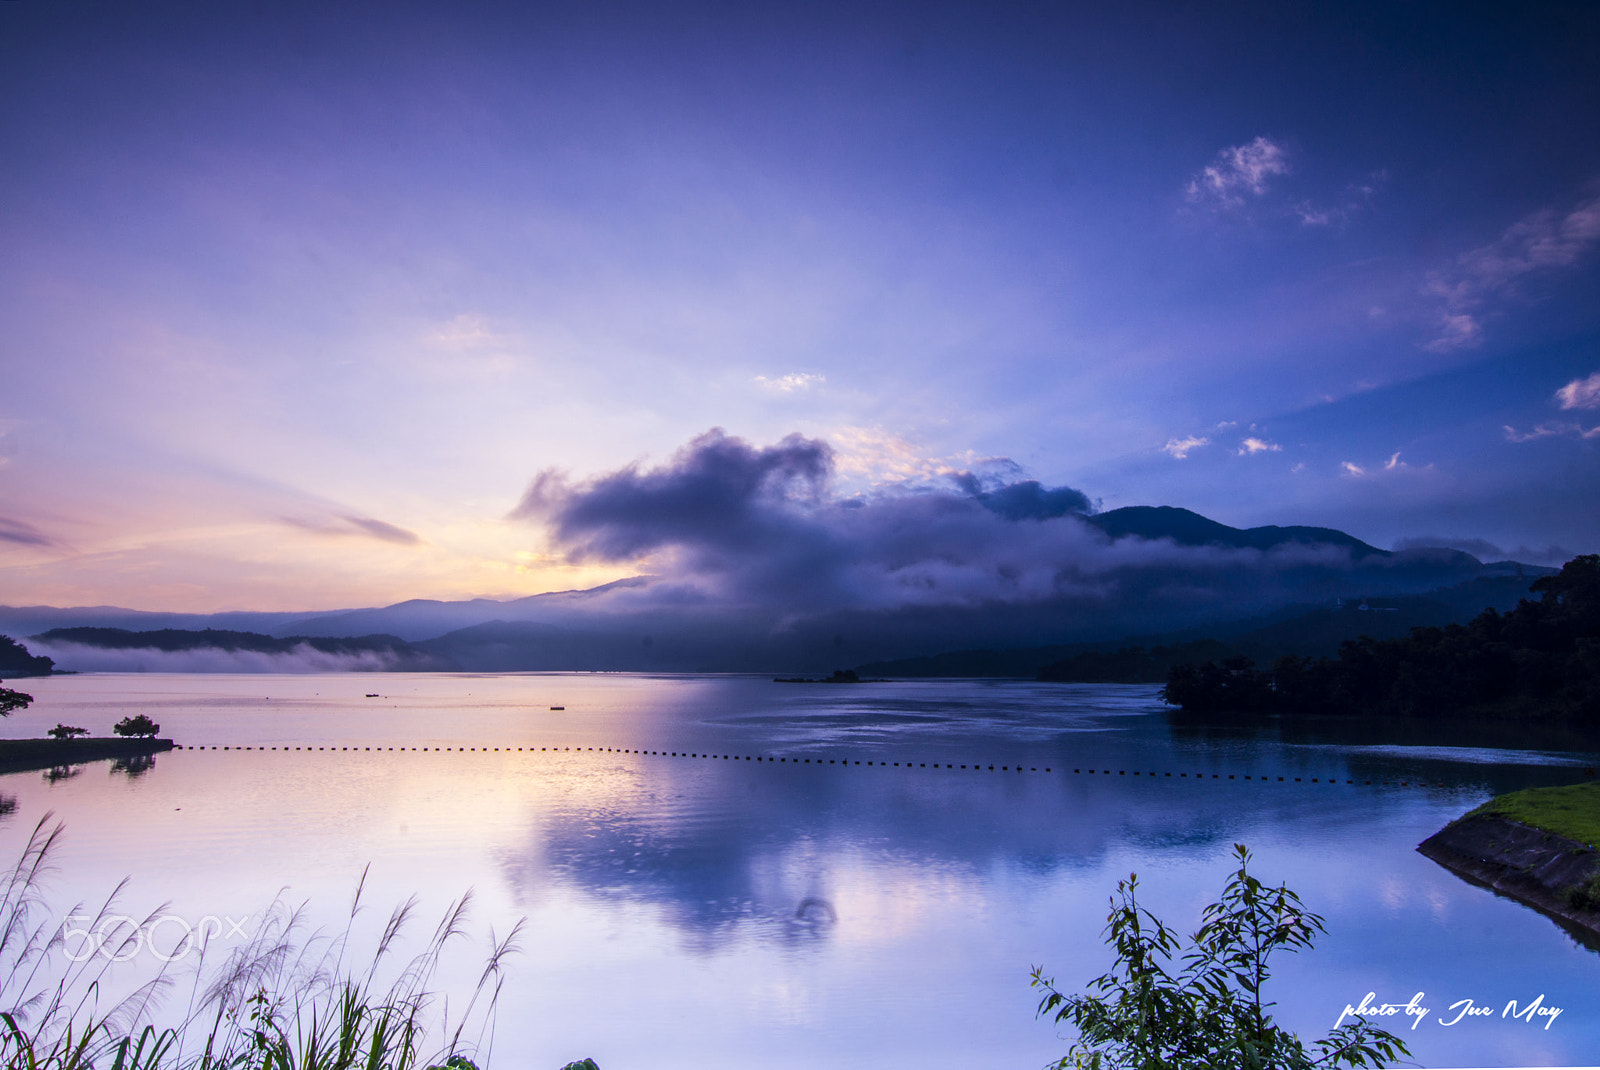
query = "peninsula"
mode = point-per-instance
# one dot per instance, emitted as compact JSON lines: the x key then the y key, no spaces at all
{"x":1537,"y":846}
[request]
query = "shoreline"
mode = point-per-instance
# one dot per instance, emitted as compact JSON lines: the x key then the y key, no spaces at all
{"x":25,"y":755}
{"x":1534,"y":867}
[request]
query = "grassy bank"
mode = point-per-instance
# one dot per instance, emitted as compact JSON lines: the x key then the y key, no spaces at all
{"x":1572,"y":812}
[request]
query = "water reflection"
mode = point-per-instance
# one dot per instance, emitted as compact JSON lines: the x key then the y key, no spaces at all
{"x":133,"y":766}
{"x":769,"y":913}
{"x":729,"y":853}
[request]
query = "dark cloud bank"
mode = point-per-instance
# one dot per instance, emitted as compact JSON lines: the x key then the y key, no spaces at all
{"x":755,"y":563}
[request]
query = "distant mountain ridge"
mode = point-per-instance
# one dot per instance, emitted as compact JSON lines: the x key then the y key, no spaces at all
{"x":1212,"y":578}
{"x":1187,"y":528}
{"x":386,"y":652}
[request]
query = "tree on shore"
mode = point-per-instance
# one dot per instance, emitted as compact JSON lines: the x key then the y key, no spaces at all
{"x":139,"y":725}
{"x":16,"y":661}
{"x":11,"y":701}
{"x":1167,"y":1006}
{"x":1540,"y":661}
{"x":63,"y":731}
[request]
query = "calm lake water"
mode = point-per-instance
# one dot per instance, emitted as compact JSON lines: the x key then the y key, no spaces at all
{"x":797,"y":911}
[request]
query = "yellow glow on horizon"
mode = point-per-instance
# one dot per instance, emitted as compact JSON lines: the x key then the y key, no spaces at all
{"x":277,"y":567}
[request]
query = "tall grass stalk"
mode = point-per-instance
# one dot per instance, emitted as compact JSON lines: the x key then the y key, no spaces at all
{"x":285,"y":999}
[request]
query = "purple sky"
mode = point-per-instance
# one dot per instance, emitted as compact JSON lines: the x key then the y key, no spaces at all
{"x":297,"y":300}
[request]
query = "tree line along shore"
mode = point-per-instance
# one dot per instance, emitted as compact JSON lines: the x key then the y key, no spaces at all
{"x":1537,"y":662}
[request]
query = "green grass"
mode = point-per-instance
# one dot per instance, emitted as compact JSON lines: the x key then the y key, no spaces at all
{"x":1572,"y":811}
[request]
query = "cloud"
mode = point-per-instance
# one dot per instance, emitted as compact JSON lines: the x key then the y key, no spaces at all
{"x":1356,"y":197}
{"x":1027,"y":500}
{"x":1485,"y":550}
{"x":717,"y":491}
{"x":1581,"y":393}
{"x":1552,"y":429}
{"x":1545,"y":241}
{"x":1238,"y":172}
{"x":1253,"y":445}
{"x":1457,"y":330}
{"x":1181,"y":447}
{"x":734,"y":532}
{"x":463,"y":333}
{"x":357,"y":525}
{"x":791,"y":383}
{"x":1393,"y":465}
{"x":865,"y":457}
{"x":23,"y":533}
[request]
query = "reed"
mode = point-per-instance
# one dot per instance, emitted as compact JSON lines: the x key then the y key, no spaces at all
{"x":285,"y":999}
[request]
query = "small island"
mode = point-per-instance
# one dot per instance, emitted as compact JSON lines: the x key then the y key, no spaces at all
{"x":1537,"y":846}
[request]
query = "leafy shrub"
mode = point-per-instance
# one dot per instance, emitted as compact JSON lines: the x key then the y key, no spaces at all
{"x":1585,"y":896}
{"x":1200,"y":1007}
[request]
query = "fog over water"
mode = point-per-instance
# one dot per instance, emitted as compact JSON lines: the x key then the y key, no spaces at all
{"x":745,"y":897}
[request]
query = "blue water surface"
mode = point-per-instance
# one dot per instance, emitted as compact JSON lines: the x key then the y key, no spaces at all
{"x":727,"y":871}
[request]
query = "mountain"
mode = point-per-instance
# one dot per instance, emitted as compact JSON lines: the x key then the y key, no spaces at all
{"x":1188,"y":528}
{"x":30,"y":620}
{"x":951,"y":575}
{"x":211,"y":650}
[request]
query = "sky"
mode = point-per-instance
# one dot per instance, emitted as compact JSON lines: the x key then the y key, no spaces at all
{"x":299,"y":302}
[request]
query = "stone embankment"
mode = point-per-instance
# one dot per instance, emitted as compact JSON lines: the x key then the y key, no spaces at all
{"x":1551,"y":873}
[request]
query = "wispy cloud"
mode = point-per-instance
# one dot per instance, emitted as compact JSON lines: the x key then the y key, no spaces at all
{"x":464,"y":332}
{"x":23,"y":533}
{"x":1253,"y":445}
{"x":873,"y":457}
{"x":1484,"y":550}
{"x":1355,"y":197}
{"x":1237,"y":173}
{"x":1181,"y":447}
{"x":1581,"y":393}
{"x":356,"y":525}
{"x":1548,"y":240}
{"x":1552,"y":429}
{"x":1393,"y":466}
{"x":791,"y":383}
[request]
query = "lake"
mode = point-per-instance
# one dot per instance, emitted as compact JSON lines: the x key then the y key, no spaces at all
{"x":804,"y":875}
